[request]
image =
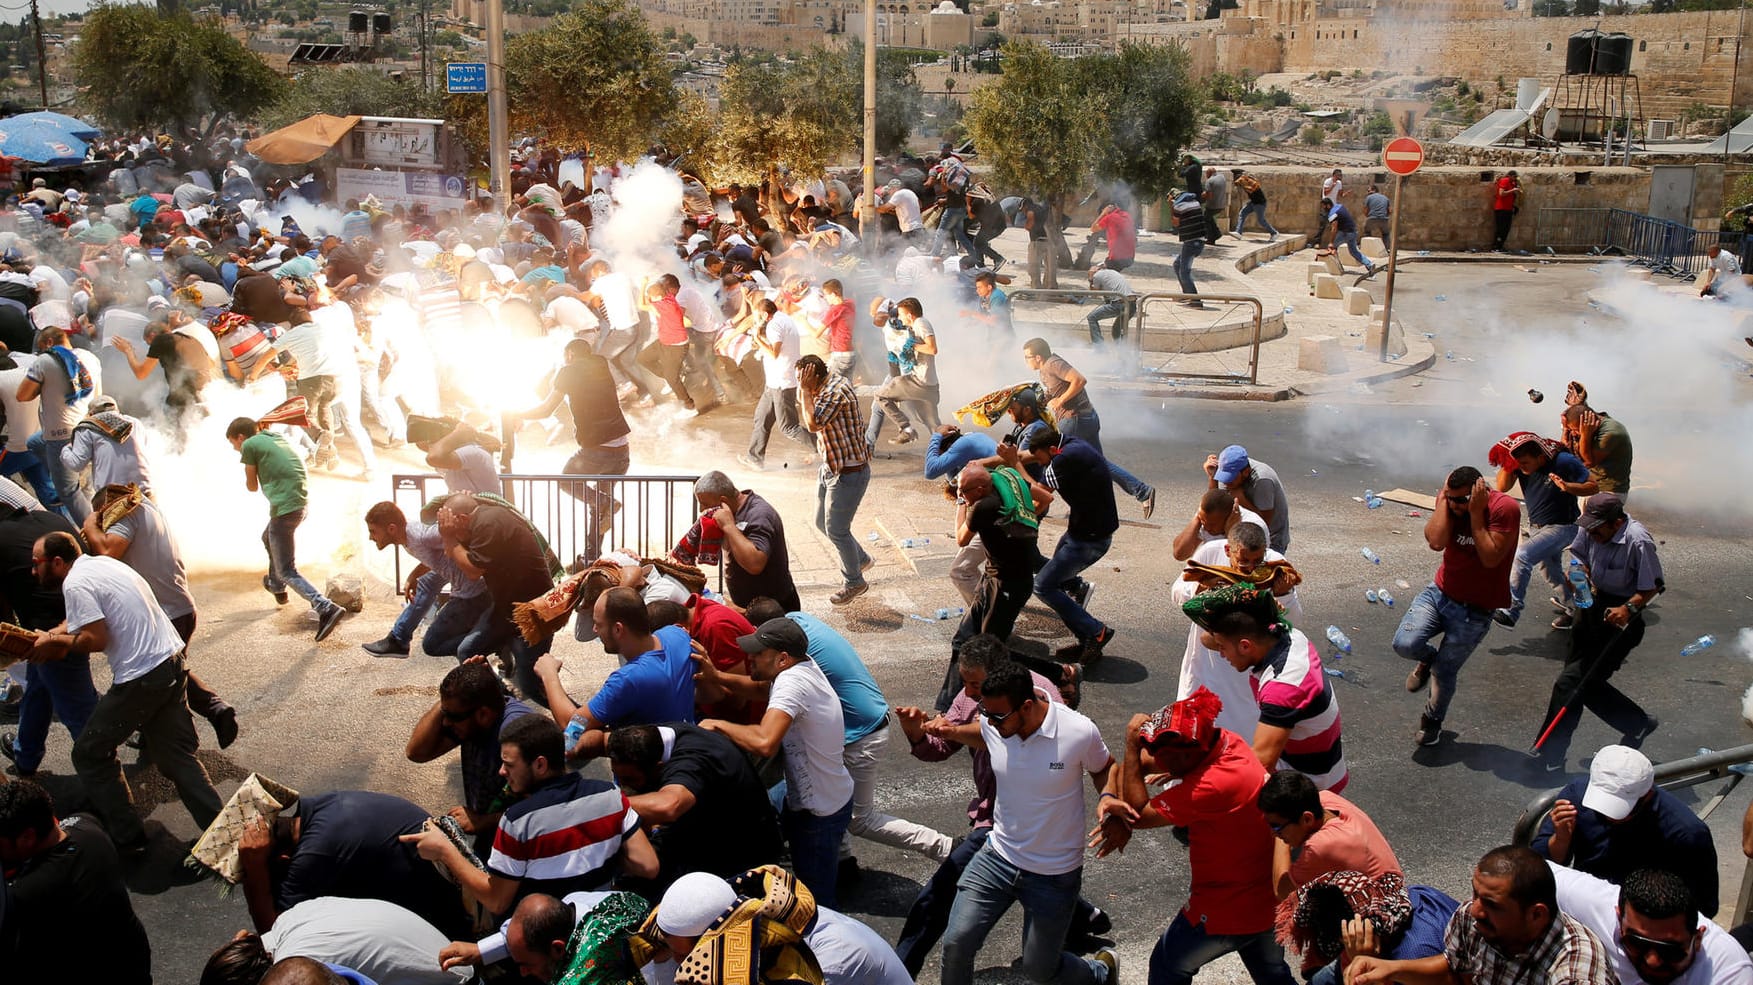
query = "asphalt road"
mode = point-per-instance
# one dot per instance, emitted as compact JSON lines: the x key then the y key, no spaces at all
{"x":327,"y":717}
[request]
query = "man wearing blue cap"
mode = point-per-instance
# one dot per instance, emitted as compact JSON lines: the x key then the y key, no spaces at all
{"x":1256,"y":487}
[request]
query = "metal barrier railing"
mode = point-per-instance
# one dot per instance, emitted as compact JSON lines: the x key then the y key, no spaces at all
{"x":1136,"y":310}
{"x":1662,"y":245}
{"x":1571,"y":230}
{"x":582,"y":515}
{"x":1689,"y":772}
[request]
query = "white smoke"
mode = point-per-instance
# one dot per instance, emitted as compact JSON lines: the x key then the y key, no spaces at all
{"x":1744,"y":645}
{"x":639,"y":238}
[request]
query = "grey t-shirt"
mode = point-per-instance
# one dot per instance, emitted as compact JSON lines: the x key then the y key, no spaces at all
{"x":1217,"y":192}
{"x":380,"y":940}
{"x":1267,"y":493}
{"x":478,"y":473}
{"x":153,"y":554}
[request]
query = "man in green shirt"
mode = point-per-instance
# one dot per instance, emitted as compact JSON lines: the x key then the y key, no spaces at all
{"x":1602,"y":443}
{"x":270,"y":464}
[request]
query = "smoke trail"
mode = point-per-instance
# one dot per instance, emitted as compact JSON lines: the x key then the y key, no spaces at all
{"x":1744,"y":644}
{"x":639,"y":238}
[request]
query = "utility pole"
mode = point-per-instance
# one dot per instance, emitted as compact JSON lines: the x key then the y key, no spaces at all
{"x":498,"y":123}
{"x":867,"y":216}
{"x":42,"y":60}
{"x":1734,"y":76}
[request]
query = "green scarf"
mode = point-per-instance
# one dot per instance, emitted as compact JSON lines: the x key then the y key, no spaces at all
{"x":597,"y":953}
{"x":1019,"y":503}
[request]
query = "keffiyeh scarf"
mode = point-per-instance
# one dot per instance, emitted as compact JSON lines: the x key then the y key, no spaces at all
{"x":1503,"y":454}
{"x":1382,"y":901}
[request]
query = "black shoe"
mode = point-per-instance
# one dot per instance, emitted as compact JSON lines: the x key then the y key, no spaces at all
{"x":9,"y":749}
{"x":1504,"y":618}
{"x":389,"y":646}
{"x":224,"y":722}
{"x":331,"y":618}
{"x":279,"y":594}
{"x":1071,"y":685}
{"x":849,"y":873}
{"x":1082,"y":593}
{"x":1635,"y":739}
{"x":1100,"y":923}
{"x":1430,"y":731}
{"x":1092,"y":649}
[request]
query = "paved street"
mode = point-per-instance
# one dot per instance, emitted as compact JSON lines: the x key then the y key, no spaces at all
{"x":322,"y":717}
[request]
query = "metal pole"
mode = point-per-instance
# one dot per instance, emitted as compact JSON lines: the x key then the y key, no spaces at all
{"x":1734,"y":76}
{"x":1393,"y":255}
{"x":867,"y":216}
{"x":43,"y":61}
{"x":498,"y":122}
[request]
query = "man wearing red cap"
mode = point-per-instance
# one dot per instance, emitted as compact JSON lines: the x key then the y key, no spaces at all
{"x":1231,"y":904}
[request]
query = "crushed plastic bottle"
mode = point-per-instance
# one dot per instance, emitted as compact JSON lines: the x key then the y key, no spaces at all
{"x":1313,"y":472}
{"x":1698,"y":646}
{"x":1369,"y":555}
{"x":914,"y":541}
{"x":1449,"y":355}
{"x":1331,"y":672}
{"x":1415,"y":514}
{"x":1373,"y":502}
{"x":1582,"y":596}
{"x":874,"y":537}
{"x":1440,"y":297}
{"x":1386,"y":596}
{"x":915,"y":615}
{"x":1340,"y":641}
{"x":1403,"y":584}
{"x":1369,"y":595}
{"x":955,"y":613}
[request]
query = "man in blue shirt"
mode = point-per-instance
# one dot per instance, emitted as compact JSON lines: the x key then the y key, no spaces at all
{"x":655,"y":684}
{"x":1618,"y":821}
{"x":951,"y":448}
{"x":1342,"y":230}
{"x":1551,"y":480}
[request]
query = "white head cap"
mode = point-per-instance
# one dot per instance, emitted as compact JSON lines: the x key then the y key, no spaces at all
{"x":692,"y":903}
{"x":1618,"y":778}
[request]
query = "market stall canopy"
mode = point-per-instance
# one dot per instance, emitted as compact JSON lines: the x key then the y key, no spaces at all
{"x":60,"y":121}
{"x":304,"y":141}
{"x":41,"y":143}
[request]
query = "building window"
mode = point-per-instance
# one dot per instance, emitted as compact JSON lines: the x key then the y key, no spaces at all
{"x":1641,"y":46}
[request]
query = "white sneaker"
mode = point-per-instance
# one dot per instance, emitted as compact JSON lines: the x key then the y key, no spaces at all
{"x":684,"y":413}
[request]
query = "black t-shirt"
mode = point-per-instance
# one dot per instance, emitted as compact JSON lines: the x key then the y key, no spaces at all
{"x":1012,"y":556}
{"x":70,"y":919}
{"x":351,"y":846}
{"x":342,"y":263}
{"x":772,"y":242}
{"x":590,"y":392}
{"x":760,"y":523}
{"x":190,"y":263}
{"x":504,"y":547}
{"x":990,"y":215}
{"x":1037,"y":212}
{"x":259,"y":297}
{"x":16,"y":332}
{"x":747,"y":208}
{"x":33,"y":606}
{"x":1080,"y":474}
{"x":731,"y":827}
{"x":187,"y":367}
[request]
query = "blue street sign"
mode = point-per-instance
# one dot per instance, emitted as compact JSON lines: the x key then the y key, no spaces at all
{"x":466,"y":76}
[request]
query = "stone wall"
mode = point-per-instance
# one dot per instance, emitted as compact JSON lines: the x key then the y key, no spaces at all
{"x":1449,"y":208}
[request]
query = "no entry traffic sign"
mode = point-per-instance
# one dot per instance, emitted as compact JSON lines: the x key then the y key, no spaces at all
{"x":1402,"y":155}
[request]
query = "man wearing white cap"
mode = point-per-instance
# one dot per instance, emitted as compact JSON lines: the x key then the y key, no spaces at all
{"x":1625,"y":822}
{"x":849,"y":952}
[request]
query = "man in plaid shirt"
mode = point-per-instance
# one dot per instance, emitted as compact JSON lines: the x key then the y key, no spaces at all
{"x":1510,"y":933}
{"x":831,"y":412}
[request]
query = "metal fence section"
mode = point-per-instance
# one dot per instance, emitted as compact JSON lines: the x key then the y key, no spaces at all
{"x":1662,"y":245}
{"x":1571,"y":230}
{"x":642,"y":515}
{"x":1162,"y":335}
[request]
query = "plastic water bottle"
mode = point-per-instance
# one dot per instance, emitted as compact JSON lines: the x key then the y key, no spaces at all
{"x":574,"y":731}
{"x":1369,"y":555}
{"x":1449,"y":355}
{"x":1698,"y":646}
{"x":1440,"y":297}
{"x":955,"y":613}
{"x":1369,"y":595}
{"x":1373,"y":502}
{"x":1339,"y":640}
{"x":1582,"y":596}
{"x":915,"y":541}
{"x":1386,"y":597}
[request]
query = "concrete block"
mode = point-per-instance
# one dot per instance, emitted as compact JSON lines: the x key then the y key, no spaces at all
{"x":1372,"y":339}
{"x":1295,"y":242}
{"x":1334,"y":266}
{"x":1378,"y":312}
{"x":346,"y":591}
{"x":1327,"y":286}
{"x":1320,"y":354}
{"x":1373,"y":246}
{"x":1316,"y":270}
{"x":1357,"y":300}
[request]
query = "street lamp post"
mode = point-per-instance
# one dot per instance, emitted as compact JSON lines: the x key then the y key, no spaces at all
{"x":498,"y":124}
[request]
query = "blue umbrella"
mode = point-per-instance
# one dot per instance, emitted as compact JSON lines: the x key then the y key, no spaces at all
{"x":60,"y":121}
{"x":40,"y":143}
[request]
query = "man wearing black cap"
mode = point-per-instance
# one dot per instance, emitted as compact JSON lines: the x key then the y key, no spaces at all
{"x":804,"y":719}
{"x":1625,"y":575}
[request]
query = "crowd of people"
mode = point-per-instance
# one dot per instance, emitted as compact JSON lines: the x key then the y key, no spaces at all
{"x":745,"y":736}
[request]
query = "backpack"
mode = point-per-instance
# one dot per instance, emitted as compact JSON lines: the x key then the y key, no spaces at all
{"x":955,"y":175}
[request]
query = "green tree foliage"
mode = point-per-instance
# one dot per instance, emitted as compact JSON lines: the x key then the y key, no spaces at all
{"x":692,"y":130}
{"x":800,"y":115}
{"x":1038,"y":125}
{"x":1151,"y":109}
{"x":138,"y":68}
{"x":347,"y":91}
{"x":595,"y":76}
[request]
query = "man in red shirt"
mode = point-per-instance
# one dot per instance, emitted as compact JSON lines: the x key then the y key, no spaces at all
{"x":837,"y":322}
{"x":1115,"y":223}
{"x":1506,"y":201}
{"x":1476,"y":528}
{"x":1230,"y":907}
{"x":714,"y":627}
{"x":665,"y":356}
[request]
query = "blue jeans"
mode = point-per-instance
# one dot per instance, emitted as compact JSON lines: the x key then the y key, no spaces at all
{"x":1115,"y":309}
{"x":456,"y":619}
{"x":1349,"y":241}
{"x":837,"y":499}
{"x":954,"y":224}
{"x":1088,"y":426}
{"x":73,"y":497}
{"x":815,"y":849}
{"x":61,"y":685}
{"x":489,"y":635}
{"x":1544,"y":548}
{"x":1190,"y":250}
{"x":425,"y":594}
{"x":1071,"y":558}
{"x":279,"y":539}
{"x":1185,"y":948}
{"x":1255,"y":209}
{"x":1461,"y":627}
{"x":987,"y":888}
{"x":27,"y":464}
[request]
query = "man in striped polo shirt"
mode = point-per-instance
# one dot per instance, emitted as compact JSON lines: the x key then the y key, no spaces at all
{"x":1299,"y":713}
{"x":567,"y":834}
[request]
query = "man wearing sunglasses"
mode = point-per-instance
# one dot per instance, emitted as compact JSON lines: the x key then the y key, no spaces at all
{"x":471,"y":713}
{"x":1652,"y":929}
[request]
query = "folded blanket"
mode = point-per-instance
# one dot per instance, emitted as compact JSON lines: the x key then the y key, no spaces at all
{"x":702,"y":544}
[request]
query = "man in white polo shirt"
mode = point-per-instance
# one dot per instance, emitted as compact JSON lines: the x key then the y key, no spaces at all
{"x":1652,"y":929}
{"x":1034,"y":856}
{"x":110,"y":608}
{"x":804,"y":719}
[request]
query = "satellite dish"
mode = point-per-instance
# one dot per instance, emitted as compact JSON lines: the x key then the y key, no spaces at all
{"x":1549,"y":124}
